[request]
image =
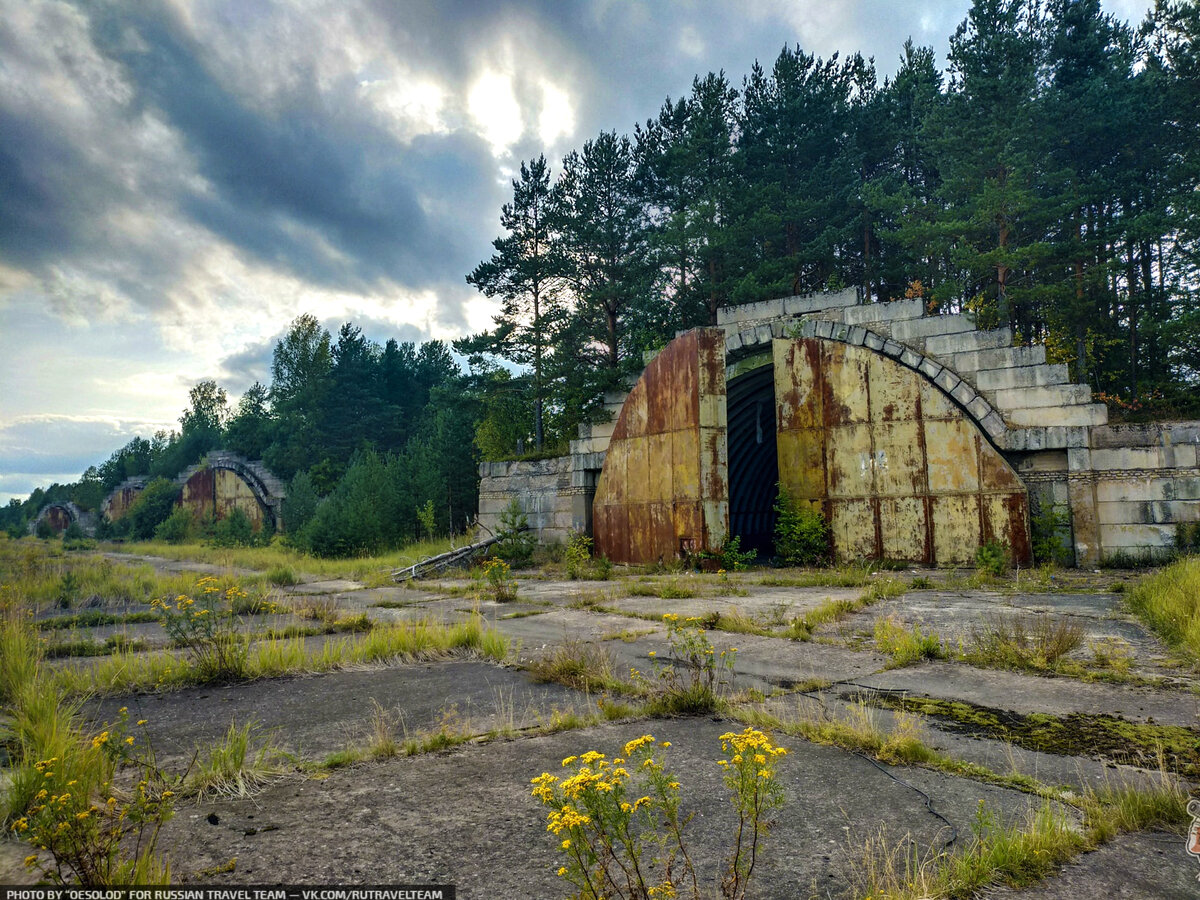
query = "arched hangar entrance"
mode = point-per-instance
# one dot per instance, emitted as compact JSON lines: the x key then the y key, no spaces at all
{"x":896,"y":466}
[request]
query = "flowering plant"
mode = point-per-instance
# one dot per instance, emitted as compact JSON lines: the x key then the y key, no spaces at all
{"x":618,"y":822}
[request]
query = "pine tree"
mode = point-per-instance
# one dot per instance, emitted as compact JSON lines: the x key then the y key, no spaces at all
{"x":604,"y":238}
{"x":987,"y":161}
{"x":526,"y":273}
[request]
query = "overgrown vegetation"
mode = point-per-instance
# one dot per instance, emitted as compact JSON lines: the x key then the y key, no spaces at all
{"x":694,"y":676}
{"x":1170,"y":603}
{"x":906,"y":644}
{"x":63,"y":794}
{"x":801,"y":533}
{"x":581,"y":564}
{"x":1015,"y":854}
{"x":993,"y":558}
{"x":1023,"y":641}
{"x":802,"y":627}
{"x":621,"y":830}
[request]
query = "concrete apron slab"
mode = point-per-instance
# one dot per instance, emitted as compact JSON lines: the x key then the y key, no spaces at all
{"x":317,"y":715}
{"x":1142,"y":866}
{"x":765,"y":664}
{"x":959,"y":616}
{"x":1001,"y":757}
{"x":328,"y":586}
{"x":1034,"y":694}
{"x":466,"y":816}
{"x":766,"y":606}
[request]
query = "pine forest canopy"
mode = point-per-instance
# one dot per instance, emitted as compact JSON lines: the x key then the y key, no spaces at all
{"x":1046,"y":180}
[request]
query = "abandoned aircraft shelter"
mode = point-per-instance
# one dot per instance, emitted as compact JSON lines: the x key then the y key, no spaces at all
{"x":919,"y":437}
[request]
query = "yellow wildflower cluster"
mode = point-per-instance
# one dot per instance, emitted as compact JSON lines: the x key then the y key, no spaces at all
{"x":566,"y":818}
{"x":750,"y":747}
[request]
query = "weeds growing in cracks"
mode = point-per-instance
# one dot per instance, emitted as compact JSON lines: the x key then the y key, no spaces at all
{"x":494,"y":581}
{"x":204,"y":623}
{"x":63,"y":795}
{"x":690,"y":683}
{"x":620,"y":827}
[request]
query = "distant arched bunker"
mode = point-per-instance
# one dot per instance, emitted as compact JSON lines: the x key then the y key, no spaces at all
{"x":918,"y":437}
{"x":221,"y":483}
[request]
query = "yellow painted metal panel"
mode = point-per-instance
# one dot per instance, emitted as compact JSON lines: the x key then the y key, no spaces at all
{"x":851,"y":461}
{"x":637,"y":471}
{"x":853,"y":529}
{"x":894,"y":390}
{"x":955,"y":528}
{"x":845,"y":370}
{"x":797,"y":400}
{"x":659,"y":465}
{"x":953,"y":464}
{"x":935,"y":404}
{"x":611,"y":488}
{"x":899,"y":460}
{"x":802,"y":462}
{"x":902,"y":527}
{"x":634,"y":411}
{"x":685,"y":453}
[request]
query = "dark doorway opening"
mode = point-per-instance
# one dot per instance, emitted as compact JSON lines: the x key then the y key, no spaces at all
{"x":753,"y":458}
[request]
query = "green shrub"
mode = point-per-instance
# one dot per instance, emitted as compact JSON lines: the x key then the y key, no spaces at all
{"x":731,"y":558}
{"x":580,"y":564}
{"x":44,"y":529}
{"x":1050,"y":526}
{"x":73,"y":533}
{"x":299,"y":506}
{"x":993,"y":558}
{"x":516,"y":541}
{"x":904,"y":644}
{"x":235,"y":530}
{"x":1187,"y":537}
{"x":175,"y":528}
{"x":427,"y":517}
{"x":801,"y":533}
{"x":152,"y":506}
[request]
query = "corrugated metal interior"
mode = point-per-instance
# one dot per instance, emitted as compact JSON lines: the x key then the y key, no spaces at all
{"x":753,"y":460}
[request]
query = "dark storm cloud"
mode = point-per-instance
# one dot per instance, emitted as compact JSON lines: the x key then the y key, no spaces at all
{"x":312,"y":185}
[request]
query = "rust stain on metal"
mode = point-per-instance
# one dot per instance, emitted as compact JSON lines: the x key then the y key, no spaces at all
{"x":58,"y":518}
{"x":118,"y":502}
{"x":218,"y":492}
{"x":901,"y":470}
{"x":665,"y":482}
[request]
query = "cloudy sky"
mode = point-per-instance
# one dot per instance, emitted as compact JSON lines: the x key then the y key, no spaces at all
{"x":179,"y":179}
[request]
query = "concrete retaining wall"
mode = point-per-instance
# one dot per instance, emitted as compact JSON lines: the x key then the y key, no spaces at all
{"x":555,"y":494}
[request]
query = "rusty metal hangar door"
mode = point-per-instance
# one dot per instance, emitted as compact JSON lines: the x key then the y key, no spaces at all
{"x":895,"y":466}
{"x":664,"y":487}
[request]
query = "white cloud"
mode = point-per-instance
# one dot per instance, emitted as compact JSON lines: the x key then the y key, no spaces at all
{"x":557,"y":116}
{"x":493,"y":105}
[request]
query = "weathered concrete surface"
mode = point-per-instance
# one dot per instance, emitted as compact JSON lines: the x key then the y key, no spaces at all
{"x":467,"y":816}
{"x":1032,"y":694}
{"x":1146,"y":866}
{"x":958,"y":616}
{"x":317,"y":715}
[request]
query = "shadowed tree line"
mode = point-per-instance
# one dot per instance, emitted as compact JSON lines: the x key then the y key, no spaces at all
{"x":365,"y":434}
{"x":1045,"y":180}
